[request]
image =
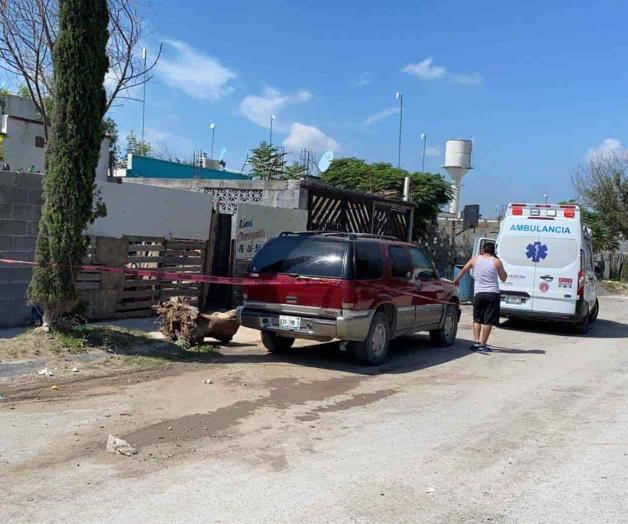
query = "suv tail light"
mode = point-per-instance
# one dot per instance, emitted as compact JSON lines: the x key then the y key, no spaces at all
{"x":581,"y":276}
{"x":349,"y":297}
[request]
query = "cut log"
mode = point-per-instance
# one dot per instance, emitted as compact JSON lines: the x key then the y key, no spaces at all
{"x":180,"y":320}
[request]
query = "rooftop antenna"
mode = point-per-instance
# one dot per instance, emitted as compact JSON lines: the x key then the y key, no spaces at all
{"x":457,"y":163}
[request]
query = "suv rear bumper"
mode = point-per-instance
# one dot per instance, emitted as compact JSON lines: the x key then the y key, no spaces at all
{"x":350,"y":326}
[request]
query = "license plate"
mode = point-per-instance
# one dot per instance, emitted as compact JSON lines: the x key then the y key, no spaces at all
{"x":513,"y":300}
{"x":286,"y":322}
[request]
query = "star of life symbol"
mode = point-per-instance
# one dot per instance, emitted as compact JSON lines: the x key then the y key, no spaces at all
{"x":536,"y":251}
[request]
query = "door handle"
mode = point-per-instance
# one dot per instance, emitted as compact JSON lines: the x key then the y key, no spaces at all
{"x":547,"y":278}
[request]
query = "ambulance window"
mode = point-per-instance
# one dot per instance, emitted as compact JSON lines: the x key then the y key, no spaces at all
{"x":513,"y":250}
{"x":559,"y":253}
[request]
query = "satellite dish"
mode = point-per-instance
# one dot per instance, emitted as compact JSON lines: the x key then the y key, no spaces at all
{"x":223,"y":152}
{"x":325,"y":161}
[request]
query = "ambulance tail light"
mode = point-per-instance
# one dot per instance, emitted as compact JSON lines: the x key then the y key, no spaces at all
{"x":581,"y":276}
{"x":517,"y":210}
{"x":569,"y":210}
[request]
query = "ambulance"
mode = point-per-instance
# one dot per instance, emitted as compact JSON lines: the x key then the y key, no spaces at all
{"x":547,"y":253}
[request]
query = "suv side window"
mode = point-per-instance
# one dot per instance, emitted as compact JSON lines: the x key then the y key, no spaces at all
{"x":422,"y":268}
{"x":369,"y":260}
{"x":401,"y":262}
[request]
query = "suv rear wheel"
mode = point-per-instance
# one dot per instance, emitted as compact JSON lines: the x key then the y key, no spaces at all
{"x":276,"y":344}
{"x":374,"y":349}
{"x":446,"y":335}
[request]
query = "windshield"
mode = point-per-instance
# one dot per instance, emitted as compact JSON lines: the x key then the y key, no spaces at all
{"x":304,"y":256}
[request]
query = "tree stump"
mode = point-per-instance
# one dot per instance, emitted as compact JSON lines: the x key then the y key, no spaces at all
{"x":182,"y":321}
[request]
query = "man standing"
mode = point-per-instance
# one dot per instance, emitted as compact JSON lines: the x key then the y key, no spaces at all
{"x":486,"y":269}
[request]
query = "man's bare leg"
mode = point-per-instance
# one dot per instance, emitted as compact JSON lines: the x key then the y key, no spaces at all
{"x":485,"y":332}
{"x":476,"y":332}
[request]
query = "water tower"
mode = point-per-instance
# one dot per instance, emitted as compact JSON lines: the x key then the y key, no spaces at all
{"x":457,"y":163}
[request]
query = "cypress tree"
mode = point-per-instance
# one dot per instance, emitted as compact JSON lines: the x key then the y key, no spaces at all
{"x":80,"y":63}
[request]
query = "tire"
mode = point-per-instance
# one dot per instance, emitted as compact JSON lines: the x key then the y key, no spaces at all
{"x":594,"y":313}
{"x":374,"y":350}
{"x":276,"y":344}
{"x":582,"y":327}
{"x":446,"y":336}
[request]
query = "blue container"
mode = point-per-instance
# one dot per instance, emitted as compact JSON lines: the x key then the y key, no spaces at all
{"x":466,"y":285}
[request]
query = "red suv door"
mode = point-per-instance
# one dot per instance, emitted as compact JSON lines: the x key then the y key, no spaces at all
{"x":429,"y":309}
{"x":403,"y":288}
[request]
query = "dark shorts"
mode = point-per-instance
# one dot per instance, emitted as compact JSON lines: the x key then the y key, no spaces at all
{"x":486,"y":308}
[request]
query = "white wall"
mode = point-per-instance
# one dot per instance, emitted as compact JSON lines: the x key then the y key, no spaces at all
{"x":20,"y":126}
{"x":254,"y":225}
{"x":140,"y":210}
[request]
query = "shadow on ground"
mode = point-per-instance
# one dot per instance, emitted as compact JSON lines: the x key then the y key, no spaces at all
{"x":601,"y":328}
{"x":406,"y":354}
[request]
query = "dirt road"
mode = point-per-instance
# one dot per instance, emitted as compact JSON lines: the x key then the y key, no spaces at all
{"x":537,"y":431}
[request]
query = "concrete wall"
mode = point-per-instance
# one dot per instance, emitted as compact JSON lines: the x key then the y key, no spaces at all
{"x":133,"y":210}
{"x":153,"y":212}
{"x":274,"y":193}
{"x":20,"y":203}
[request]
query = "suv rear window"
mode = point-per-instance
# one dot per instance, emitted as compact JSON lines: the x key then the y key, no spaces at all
{"x":369,"y":260}
{"x":306,"y":256}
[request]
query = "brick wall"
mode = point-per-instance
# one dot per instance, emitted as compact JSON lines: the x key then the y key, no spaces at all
{"x":20,"y":203}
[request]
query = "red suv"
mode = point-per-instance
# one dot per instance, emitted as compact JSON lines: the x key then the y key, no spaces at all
{"x":362,"y":289}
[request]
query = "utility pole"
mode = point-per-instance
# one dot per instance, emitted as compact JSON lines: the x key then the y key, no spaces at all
{"x":424,"y":138}
{"x":143,"y":148}
{"x":399,"y":97}
{"x":212,"y":126}
{"x":272,"y":119}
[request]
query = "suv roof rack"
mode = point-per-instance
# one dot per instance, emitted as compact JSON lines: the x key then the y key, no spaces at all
{"x":339,"y":234}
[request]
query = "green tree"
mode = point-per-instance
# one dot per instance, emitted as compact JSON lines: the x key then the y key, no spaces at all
{"x":428,"y":191}
{"x":294,"y":171}
{"x":602,"y":185}
{"x":80,"y":63}
{"x":605,"y":235}
{"x":135,"y":146}
{"x":267,"y":162}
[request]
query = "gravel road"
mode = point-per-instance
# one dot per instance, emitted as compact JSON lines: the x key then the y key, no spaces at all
{"x":536,"y":431}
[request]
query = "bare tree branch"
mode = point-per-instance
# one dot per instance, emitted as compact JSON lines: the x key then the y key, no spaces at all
{"x":28,"y":31}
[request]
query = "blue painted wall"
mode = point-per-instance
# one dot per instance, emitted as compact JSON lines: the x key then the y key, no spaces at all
{"x":141,"y":166}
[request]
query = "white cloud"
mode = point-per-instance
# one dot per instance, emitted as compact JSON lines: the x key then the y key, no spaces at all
{"x":310,"y":137}
{"x":610,"y":147}
{"x":425,"y":70}
{"x":374,"y":118}
{"x":258,"y":109}
{"x":432,"y":151}
{"x":195,"y":73}
{"x":468,"y":79}
{"x":365,"y":79}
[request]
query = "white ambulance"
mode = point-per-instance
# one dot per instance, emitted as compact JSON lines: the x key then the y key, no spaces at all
{"x":547,"y":253}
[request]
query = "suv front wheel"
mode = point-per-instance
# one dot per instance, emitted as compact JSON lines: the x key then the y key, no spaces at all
{"x":446,"y":335}
{"x":276,"y":344}
{"x":374,"y":349}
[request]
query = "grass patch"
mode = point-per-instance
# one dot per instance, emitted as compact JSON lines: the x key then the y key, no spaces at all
{"x":113,"y":340}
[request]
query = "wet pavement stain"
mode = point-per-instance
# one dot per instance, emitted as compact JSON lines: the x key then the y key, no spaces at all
{"x":355,"y":401}
{"x":284,"y":392}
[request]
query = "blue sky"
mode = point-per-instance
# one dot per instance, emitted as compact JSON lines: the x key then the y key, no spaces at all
{"x":538,"y":85}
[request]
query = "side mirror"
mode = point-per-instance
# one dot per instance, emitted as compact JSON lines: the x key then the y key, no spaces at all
{"x":599,"y":268}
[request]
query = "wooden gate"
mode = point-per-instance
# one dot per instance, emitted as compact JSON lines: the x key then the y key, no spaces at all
{"x":332,"y":209}
{"x":140,"y":294}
